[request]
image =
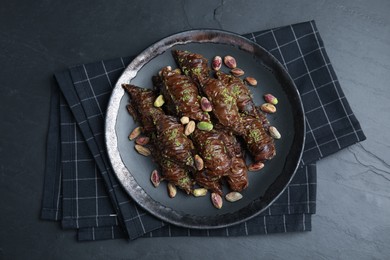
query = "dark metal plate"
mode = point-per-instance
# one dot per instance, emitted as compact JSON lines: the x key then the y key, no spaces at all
{"x":265,"y":186}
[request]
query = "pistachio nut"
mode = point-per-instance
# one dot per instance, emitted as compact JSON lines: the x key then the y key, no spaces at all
{"x":184,"y":120}
{"x":190,"y":128}
{"x":251,"y":81}
{"x":237,"y":72}
{"x":233,"y":196}
{"x":142,"y":140}
{"x":269,"y":98}
{"x":216,"y":63}
{"x":172,"y":190}
{"x":142,"y":150}
{"x":255,"y":166}
{"x":135,"y":133}
{"x":274,"y":132}
{"x":199,"y":192}
{"x":230,"y":62}
{"x":199,"y":164}
{"x":268,"y":108}
{"x":155,"y":178}
{"x":205,"y":126}
{"x":205,"y":104}
{"x":216,"y":199}
{"x":159,"y":101}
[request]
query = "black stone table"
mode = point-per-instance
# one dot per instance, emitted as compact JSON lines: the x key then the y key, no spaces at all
{"x":38,"y":38}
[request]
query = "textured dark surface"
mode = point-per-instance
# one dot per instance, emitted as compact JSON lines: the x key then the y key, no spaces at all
{"x":39,"y":38}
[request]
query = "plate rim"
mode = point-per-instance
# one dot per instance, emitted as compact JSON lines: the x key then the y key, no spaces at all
{"x":131,"y":187}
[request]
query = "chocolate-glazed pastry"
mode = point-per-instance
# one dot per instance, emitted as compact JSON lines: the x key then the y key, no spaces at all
{"x":240,"y":91}
{"x":237,"y":177}
{"x":183,"y":94}
{"x":224,"y":104}
{"x":206,"y":180}
{"x":158,"y":87}
{"x":172,"y":142}
{"x":192,"y":64}
{"x":262,"y":117}
{"x":176,"y":174}
{"x":257,"y":139}
{"x":222,"y":99}
{"x":141,"y":106}
{"x":213,"y":151}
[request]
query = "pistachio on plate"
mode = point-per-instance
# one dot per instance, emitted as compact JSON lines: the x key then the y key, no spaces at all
{"x":216,"y":63}
{"x":268,"y":108}
{"x":237,"y":72}
{"x":230,"y":62}
{"x":274,"y":132}
{"x":269,"y":98}
{"x":233,"y":196}
{"x":159,"y":101}
{"x":172,"y":190}
{"x":155,"y":178}
{"x":190,"y":128}
{"x":142,"y":150}
{"x":205,"y":126}
{"x":199,"y":192}
{"x":216,"y":199}
{"x":135,"y":133}
{"x":251,"y":81}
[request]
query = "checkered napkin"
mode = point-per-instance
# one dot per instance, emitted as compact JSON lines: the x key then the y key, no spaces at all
{"x":81,"y":191}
